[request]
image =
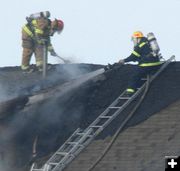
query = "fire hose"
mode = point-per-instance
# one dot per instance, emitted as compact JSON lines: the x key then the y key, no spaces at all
{"x":121,"y":126}
{"x":64,"y":60}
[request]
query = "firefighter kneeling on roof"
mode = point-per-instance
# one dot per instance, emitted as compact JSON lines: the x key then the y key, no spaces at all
{"x":35,"y":35}
{"x":146,"y":53}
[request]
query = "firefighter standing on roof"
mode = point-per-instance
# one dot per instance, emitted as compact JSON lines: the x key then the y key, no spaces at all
{"x":148,"y":61}
{"x":35,"y":34}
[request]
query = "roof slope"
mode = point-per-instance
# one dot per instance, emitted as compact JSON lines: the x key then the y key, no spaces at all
{"x":142,"y":147}
{"x":150,"y":135}
{"x":53,"y":119}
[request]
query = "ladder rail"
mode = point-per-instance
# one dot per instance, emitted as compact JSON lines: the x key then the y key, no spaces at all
{"x":44,"y":167}
{"x":129,"y":101}
{"x":73,"y":150}
{"x":163,"y":67}
{"x":139,"y":90}
{"x":54,"y":155}
{"x":115,"y":102}
{"x":79,"y":141}
{"x":61,"y":166}
{"x":84,"y":138}
{"x":117,"y":111}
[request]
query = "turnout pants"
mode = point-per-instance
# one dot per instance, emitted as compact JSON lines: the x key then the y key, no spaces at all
{"x":29,"y":47}
{"x":139,"y":73}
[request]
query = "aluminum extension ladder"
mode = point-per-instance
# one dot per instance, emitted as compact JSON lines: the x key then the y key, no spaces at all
{"x":81,"y":138}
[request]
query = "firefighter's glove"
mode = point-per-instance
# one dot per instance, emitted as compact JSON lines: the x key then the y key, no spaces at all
{"x":53,"y":53}
{"x":121,"y":61}
{"x":41,"y":41}
{"x":108,"y":67}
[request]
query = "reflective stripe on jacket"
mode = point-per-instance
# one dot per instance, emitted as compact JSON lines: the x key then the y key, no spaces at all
{"x":142,"y":53}
{"x":37,"y":30}
{"x":38,"y":27}
{"x":27,"y":30}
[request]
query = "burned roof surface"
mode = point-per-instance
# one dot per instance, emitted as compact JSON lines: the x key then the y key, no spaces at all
{"x":54,"y":118}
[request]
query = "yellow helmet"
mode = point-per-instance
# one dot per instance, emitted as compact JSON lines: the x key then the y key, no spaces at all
{"x":137,"y":34}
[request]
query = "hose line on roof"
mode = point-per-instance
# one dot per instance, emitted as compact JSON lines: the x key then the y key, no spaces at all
{"x":122,"y":126}
{"x":34,"y":151}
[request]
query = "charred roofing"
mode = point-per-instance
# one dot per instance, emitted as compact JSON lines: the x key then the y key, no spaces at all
{"x":55,"y":118}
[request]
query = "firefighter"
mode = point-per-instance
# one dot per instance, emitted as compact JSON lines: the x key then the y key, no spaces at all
{"x":148,"y":62}
{"x":35,"y":34}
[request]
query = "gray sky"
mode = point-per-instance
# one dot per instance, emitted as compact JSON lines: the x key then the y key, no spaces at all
{"x":96,"y":31}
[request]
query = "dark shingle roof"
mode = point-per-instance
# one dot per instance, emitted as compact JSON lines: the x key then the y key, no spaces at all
{"x":142,"y":147}
{"x":54,"y":119}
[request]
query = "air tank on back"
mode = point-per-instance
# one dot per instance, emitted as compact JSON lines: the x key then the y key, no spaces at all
{"x":153,"y":43}
{"x":45,"y":14}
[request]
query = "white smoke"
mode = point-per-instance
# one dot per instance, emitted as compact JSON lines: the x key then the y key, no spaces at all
{"x":3,"y":92}
{"x":66,"y":87}
{"x":8,"y":134}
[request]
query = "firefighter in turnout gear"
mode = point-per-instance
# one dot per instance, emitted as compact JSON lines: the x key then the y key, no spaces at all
{"x":148,"y":62}
{"x":35,"y":35}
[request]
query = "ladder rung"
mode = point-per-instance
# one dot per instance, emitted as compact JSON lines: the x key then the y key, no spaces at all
{"x":82,"y":134}
{"x":115,"y":107}
{"x":105,"y":117}
{"x":62,"y":153}
{"x":97,"y":126}
{"x":53,"y":163}
{"x":79,"y":134}
{"x":124,"y":98}
{"x":74,"y":143}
